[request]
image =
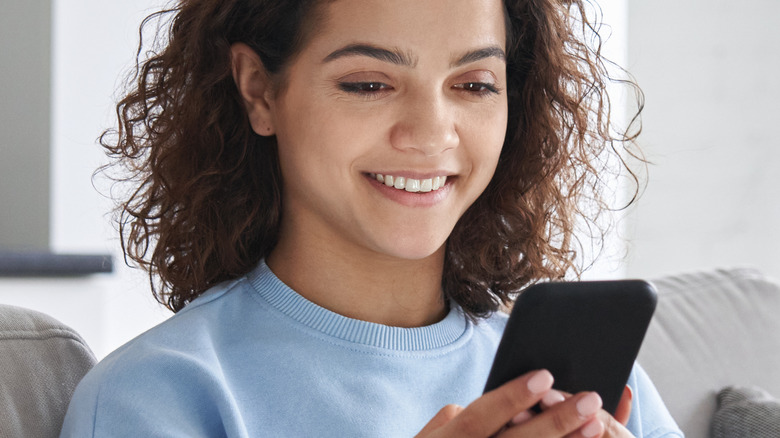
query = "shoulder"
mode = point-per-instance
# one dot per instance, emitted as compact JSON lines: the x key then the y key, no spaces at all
{"x":492,"y":325}
{"x":168,"y":369}
{"x":188,"y":329}
{"x":498,"y":320}
{"x":187,"y":336}
{"x":485,"y":335}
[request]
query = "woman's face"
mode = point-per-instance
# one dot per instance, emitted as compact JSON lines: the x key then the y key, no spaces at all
{"x":410,"y":90}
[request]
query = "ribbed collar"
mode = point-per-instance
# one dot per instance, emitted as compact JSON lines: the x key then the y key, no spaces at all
{"x":284,"y":299}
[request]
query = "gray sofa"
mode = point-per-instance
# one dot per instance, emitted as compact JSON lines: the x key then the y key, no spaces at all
{"x":42,"y":361}
{"x":713,"y":330}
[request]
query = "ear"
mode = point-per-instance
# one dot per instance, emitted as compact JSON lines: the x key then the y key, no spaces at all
{"x":255,"y":87}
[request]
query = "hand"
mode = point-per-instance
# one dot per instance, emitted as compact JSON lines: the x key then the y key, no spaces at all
{"x":493,"y":414}
{"x":623,"y":411}
{"x":613,"y":426}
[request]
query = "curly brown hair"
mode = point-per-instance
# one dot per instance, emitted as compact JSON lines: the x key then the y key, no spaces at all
{"x":206,"y":199}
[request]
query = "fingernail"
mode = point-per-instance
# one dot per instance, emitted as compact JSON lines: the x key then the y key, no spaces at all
{"x":594,"y":428}
{"x":589,"y":404}
{"x":552,"y":398}
{"x":540,"y":382}
{"x":521,"y":417}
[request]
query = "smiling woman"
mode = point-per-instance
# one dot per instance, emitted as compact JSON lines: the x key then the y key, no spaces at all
{"x":377,"y":99}
{"x":336,"y":197}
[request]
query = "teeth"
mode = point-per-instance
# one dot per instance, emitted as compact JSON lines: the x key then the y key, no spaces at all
{"x":410,"y":184}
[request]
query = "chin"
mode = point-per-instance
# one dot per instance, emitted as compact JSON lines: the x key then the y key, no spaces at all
{"x":411,"y":249}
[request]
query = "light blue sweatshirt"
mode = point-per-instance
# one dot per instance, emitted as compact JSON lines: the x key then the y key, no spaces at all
{"x":252,"y":358}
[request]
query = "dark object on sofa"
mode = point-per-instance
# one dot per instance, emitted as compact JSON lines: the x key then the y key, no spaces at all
{"x":749,"y":412}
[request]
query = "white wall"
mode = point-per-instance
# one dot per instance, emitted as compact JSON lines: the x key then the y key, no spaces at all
{"x":713,"y":101}
{"x":93,"y":42}
{"x":94,"y":46}
{"x":610,"y":263}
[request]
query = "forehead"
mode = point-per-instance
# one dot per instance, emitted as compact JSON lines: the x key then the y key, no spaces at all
{"x":414,"y":25}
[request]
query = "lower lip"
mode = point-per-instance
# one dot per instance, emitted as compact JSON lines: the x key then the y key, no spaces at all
{"x":413,"y":199}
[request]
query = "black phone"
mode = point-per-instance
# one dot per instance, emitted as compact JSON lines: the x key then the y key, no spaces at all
{"x":587,"y":334}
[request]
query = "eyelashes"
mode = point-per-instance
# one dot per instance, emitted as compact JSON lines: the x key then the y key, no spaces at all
{"x":376,"y":89}
{"x":478,"y":87}
{"x":363,"y":87}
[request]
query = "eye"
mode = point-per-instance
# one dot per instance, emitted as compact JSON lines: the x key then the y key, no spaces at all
{"x":478,"y":88}
{"x":363,"y":87}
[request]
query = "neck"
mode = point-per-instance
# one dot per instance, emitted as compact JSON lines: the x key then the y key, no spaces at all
{"x":364,"y":285}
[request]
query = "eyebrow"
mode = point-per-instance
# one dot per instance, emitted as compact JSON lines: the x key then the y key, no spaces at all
{"x":476,"y":55}
{"x":407,"y":60}
{"x":392,"y":56}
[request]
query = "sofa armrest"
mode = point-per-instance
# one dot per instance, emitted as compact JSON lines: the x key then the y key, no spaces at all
{"x":42,"y":361}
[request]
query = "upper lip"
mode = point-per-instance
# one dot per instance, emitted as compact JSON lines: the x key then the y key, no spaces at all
{"x":414,"y":174}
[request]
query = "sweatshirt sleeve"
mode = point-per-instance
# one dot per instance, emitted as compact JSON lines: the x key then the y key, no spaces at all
{"x":649,"y":416}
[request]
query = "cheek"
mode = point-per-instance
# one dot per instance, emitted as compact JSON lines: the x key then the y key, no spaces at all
{"x":320,"y":153}
{"x":304,"y":134}
{"x":486,"y":137}
{"x":497,"y":132}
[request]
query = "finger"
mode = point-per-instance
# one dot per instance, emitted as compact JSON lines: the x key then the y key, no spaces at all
{"x":495,"y":409}
{"x":566,"y":417}
{"x":521,"y":417}
{"x":444,"y":416}
{"x":592,"y":429}
{"x":552,"y":398}
{"x":613,"y":428}
{"x":623,"y":411}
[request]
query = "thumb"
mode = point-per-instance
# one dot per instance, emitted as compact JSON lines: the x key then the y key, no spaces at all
{"x":623,"y":412}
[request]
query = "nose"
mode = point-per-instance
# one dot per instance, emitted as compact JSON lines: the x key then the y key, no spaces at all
{"x":427,"y":126}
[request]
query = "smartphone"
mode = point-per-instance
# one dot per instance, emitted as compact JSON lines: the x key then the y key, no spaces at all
{"x":587,"y":334}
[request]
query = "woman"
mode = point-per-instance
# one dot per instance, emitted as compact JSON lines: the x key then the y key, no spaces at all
{"x":336,"y":198}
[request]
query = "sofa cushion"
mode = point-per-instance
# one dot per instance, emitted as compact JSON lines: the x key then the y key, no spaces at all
{"x":711,"y":330}
{"x":42,"y":362}
{"x":746,"y":412}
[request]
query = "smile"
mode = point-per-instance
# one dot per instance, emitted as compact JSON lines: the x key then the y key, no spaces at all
{"x":410,"y":184}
